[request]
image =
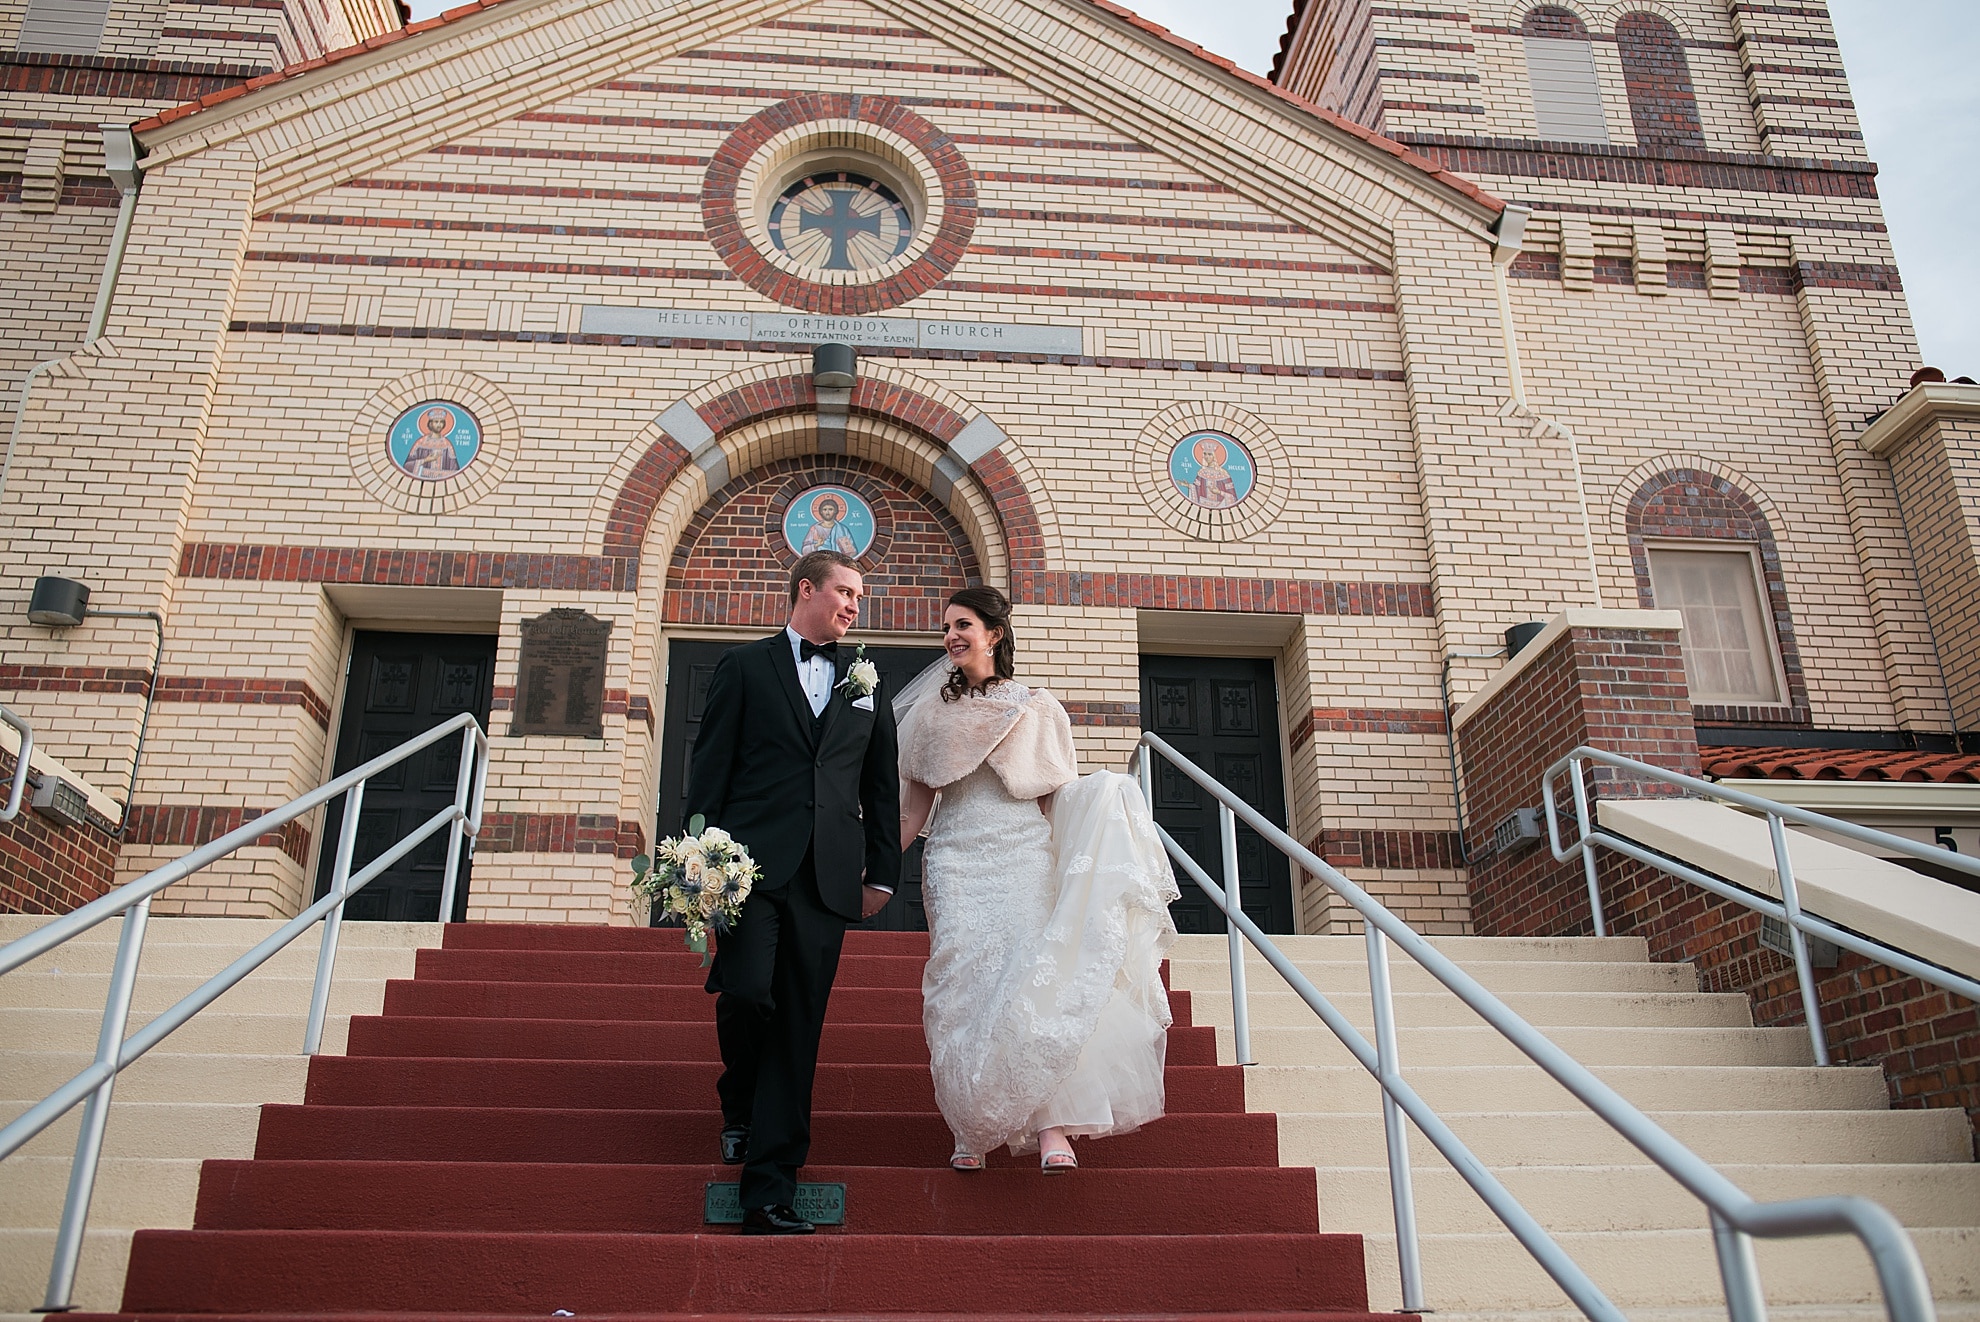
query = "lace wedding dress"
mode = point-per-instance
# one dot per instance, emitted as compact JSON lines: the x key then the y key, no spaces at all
{"x":1042,"y":1001}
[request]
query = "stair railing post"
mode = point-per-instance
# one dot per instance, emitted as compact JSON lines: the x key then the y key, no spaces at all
{"x":1388,"y":1061}
{"x":1811,"y":1005}
{"x":1586,"y":828}
{"x":340,"y":883}
{"x":1240,"y":998}
{"x":1739,"y":1274}
{"x":96,"y":1112}
{"x":463,"y":787}
{"x":1144,"y":770}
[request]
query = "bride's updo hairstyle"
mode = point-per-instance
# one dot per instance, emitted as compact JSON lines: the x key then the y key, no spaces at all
{"x":993,"y":610}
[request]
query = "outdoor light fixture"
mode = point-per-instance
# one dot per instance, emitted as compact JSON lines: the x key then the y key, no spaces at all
{"x":63,"y":603}
{"x":1520,"y":635}
{"x":59,"y":602}
{"x":834,"y":367}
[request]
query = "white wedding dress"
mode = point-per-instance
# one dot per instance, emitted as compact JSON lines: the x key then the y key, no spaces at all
{"x":1043,"y":1000}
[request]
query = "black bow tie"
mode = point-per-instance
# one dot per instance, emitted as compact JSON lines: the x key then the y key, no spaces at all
{"x":808,"y":649}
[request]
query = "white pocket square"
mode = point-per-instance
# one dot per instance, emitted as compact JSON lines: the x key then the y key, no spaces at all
{"x":865,"y":703}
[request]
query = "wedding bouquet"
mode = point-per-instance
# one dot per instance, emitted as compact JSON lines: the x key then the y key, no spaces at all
{"x":701,"y":878}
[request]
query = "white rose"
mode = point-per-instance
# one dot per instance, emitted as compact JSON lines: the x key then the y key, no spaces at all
{"x":864,"y":675}
{"x":715,"y":835}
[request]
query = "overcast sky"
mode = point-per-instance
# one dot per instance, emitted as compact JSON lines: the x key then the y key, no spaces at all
{"x":1912,"y":69}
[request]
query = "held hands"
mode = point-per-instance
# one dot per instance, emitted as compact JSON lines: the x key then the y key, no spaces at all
{"x":872,"y":900}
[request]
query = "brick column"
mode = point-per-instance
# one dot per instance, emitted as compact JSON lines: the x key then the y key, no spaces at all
{"x":1610,"y":678}
{"x":1932,"y":439}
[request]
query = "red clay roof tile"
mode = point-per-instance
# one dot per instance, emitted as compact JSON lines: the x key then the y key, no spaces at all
{"x":1840,"y":764}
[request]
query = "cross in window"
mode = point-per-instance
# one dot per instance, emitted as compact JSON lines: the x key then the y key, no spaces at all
{"x":840,"y":224}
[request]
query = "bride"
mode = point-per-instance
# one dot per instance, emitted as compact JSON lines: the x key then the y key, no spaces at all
{"x":1048,"y":908}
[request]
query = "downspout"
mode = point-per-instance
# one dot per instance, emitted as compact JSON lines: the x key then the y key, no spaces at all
{"x":120,"y":163}
{"x":1507,"y":243}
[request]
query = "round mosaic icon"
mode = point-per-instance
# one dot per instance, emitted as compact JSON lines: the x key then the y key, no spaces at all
{"x":434,"y":440}
{"x":829,"y":519}
{"x":840,"y":221}
{"x":1212,"y":470}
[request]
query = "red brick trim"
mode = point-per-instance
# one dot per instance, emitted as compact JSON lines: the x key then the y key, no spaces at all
{"x":1688,"y":502}
{"x":75,"y":679}
{"x":632,"y":508}
{"x":559,"y":833}
{"x":841,"y":62}
{"x":612,"y":270}
{"x":732,"y":563}
{"x":1390,"y":849}
{"x":1370,"y":720}
{"x":412,"y":567}
{"x":1662,"y":167}
{"x":1123,"y":715}
{"x":953,"y":177}
{"x":639,"y":708}
{"x":123,"y":79}
{"x":189,"y":825}
{"x":1282,"y":596}
{"x":268,"y":692}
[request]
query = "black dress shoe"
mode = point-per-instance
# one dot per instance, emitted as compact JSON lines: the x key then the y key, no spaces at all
{"x":775,"y":1220}
{"x":735,"y":1144}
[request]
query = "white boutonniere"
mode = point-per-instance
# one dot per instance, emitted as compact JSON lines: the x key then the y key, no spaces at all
{"x":862,"y":676}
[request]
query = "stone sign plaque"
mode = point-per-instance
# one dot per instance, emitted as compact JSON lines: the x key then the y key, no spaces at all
{"x":560,"y":685}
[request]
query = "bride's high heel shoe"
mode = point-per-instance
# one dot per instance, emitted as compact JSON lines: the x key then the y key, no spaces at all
{"x":962,"y":1160}
{"x":1056,"y":1160}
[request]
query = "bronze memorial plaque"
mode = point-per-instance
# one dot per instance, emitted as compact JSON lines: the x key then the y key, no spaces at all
{"x":560,"y":685}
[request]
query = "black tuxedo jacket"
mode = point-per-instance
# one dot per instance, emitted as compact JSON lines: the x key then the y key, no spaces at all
{"x":782,"y":783}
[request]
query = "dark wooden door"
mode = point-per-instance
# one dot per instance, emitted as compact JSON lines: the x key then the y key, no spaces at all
{"x":400,"y":685}
{"x":1222,"y":714}
{"x":690,"y":665}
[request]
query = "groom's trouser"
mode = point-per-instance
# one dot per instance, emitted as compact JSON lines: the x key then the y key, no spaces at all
{"x":773,"y":972}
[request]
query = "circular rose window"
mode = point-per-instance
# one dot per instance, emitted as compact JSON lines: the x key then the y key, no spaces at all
{"x":839,"y":204}
{"x":840,"y":221}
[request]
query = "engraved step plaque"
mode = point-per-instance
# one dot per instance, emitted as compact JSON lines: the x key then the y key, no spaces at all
{"x":820,"y":1204}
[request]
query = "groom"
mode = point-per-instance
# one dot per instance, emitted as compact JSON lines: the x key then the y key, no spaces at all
{"x":799,"y":766}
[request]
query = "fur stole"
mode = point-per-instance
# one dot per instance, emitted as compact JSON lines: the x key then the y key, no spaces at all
{"x":1024,"y":734}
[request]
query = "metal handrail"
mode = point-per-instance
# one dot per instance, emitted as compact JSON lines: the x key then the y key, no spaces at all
{"x":1800,"y":923}
{"x":1735,"y":1216}
{"x":26,"y":732}
{"x":115,"y":1052}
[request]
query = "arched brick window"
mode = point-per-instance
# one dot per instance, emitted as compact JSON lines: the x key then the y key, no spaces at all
{"x":1661,"y":103}
{"x":1560,"y":65}
{"x":1704,"y":548}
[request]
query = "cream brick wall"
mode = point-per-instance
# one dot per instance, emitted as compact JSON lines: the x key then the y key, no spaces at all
{"x":447,"y":206}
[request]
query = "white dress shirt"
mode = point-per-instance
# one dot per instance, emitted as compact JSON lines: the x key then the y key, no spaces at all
{"x":815,"y":673}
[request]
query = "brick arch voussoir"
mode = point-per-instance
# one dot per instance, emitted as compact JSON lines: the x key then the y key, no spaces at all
{"x":725,"y":410}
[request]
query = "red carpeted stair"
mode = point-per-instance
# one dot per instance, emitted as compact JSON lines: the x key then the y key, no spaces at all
{"x":531,"y":1123}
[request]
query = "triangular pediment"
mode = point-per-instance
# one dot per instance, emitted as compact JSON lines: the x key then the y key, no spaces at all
{"x":322,"y":124}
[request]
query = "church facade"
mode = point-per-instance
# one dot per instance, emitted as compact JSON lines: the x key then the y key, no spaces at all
{"x":485,"y":366}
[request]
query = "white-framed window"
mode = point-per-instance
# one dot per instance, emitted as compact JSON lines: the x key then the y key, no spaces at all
{"x":1731,"y":654}
{"x":63,"y":27}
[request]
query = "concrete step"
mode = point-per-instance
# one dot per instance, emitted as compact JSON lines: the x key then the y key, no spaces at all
{"x":1500,"y":977}
{"x":186,"y":959}
{"x":240,"y":932}
{"x":212,"y":1030}
{"x":1529,"y":1138}
{"x":259,"y":993}
{"x":1662,"y":1269}
{"x":1640,"y":1197}
{"x":188,"y":1130}
{"x":1483,"y":1045}
{"x":158,"y":1192}
{"x":25,"y":1255}
{"x":1462,"y":949}
{"x":1527,"y":1087}
{"x":166,"y":1075}
{"x":1281,"y":1008}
